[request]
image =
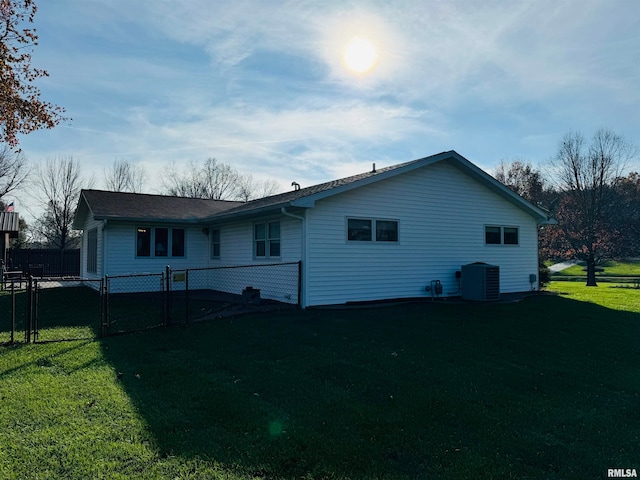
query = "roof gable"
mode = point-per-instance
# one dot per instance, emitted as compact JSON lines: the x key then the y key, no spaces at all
{"x":161,"y":208}
{"x":306,"y":197}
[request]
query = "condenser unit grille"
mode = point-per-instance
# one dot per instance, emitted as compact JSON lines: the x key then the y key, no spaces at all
{"x":480,"y":282}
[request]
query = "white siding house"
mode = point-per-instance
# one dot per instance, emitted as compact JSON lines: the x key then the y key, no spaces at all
{"x":383,"y":234}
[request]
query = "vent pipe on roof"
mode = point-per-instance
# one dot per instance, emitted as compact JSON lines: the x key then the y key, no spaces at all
{"x":374,"y":168}
{"x":295,"y":185}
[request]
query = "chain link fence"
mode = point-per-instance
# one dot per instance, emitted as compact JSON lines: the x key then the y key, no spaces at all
{"x":13,"y":310}
{"x":215,"y":289}
{"x":134,"y":302}
{"x":66,"y":309}
{"x":53,"y":309}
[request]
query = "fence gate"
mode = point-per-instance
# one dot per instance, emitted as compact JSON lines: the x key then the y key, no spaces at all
{"x":65,"y":309}
{"x":134,"y":302}
{"x":13,"y":311}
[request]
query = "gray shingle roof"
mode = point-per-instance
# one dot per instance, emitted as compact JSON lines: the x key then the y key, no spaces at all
{"x":288,"y":197}
{"x":143,"y":207}
{"x":138,"y":206}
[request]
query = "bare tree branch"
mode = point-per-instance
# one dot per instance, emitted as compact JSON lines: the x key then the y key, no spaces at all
{"x":13,"y":170}
{"x":125,"y":176}
{"x":58,"y":183}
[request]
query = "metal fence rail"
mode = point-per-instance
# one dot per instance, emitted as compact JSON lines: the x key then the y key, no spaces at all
{"x":66,"y":309}
{"x":134,"y":302}
{"x":13,"y":308}
{"x":51,"y":309}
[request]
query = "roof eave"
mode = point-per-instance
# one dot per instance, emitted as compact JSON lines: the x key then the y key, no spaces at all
{"x":119,"y":218}
{"x":309,"y":200}
{"x":223,"y":216}
{"x":539,"y":214}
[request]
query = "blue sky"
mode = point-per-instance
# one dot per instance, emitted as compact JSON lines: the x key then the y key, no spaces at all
{"x":261,"y":85}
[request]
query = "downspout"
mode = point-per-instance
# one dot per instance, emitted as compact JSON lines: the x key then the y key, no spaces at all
{"x":303,"y":253}
{"x":103,"y":252}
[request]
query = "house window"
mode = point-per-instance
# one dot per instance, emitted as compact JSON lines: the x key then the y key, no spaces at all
{"x":177,"y":242}
{"x":162,"y":242}
{"x":494,"y":235}
{"x":166,"y":241}
{"x":92,"y":250}
{"x":215,"y":243}
{"x":143,"y":242}
{"x":266,"y":239}
{"x":510,"y":235}
{"x":386,"y":231}
{"x":361,"y":230}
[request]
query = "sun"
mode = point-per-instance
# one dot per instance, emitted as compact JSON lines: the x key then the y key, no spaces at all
{"x":360,"y":56}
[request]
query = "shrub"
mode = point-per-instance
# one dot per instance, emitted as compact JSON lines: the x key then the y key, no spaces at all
{"x":544,"y":274}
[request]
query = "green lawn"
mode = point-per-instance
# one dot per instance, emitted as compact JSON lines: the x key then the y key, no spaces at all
{"x":610,"y":268}
{"x":546,"y":388}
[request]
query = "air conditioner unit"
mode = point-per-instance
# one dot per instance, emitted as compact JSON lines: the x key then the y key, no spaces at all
{"x":480,"y":282}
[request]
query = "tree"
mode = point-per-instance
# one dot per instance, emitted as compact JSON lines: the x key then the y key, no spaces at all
{"x":13,"y":170}
{"x":521,"y":177}
{"x":58,"y":183}
{"x":249,"y":188}
{"x":628,"y":213}
{"x":213,"y":180}
{"x":124,"y":176}
{"x":588,"y":177}
{"x":21,"y":109}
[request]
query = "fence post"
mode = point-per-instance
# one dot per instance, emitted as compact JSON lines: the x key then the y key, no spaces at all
{"x":107,"y":317}
{"x":27,"y":326}
{"x":186,"y":296}
{"x":36,"y":302}
{"x":13,"y":311}
{"x":300,"y":283}
{"x":168,"y":296}
{"x":102,"y":308}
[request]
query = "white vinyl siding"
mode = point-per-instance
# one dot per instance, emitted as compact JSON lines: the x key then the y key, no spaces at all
{"x":442,"y":213}
{"x":85,"y":250}
{"x":122,"y":258}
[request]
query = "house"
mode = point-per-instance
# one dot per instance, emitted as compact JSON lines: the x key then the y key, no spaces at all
{"x":384,"y":234}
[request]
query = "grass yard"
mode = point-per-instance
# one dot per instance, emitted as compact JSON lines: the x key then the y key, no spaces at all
{"x":612,"y":268}
{"x":546,"y":388}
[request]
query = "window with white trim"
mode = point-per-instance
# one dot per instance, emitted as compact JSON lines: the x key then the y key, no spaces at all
{"x":372,"y":230}
{"x":92,"y":250}
{"x":500,"y":235}
{"x":215,"y":243}
{"x":266,"y":239}
{"x":165,"y":241}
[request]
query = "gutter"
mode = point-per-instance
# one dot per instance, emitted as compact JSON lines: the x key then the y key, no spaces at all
{"x":303,"y":253}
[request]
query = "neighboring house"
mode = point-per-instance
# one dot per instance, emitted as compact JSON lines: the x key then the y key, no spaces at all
{"x":384,"y":234}
{"x":9,"y":228}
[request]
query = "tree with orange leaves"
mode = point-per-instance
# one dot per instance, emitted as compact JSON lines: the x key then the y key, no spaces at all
{"x":21,"y":109}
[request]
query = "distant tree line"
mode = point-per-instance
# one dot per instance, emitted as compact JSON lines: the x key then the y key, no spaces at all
{"x":56,"y":185}
{"x":590,"y":193}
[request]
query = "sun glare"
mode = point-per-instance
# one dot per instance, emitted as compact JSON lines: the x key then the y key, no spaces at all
{"x":360,"y":56}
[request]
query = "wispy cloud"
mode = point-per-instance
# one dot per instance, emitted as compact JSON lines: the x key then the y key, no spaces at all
{"x":261,"y":85}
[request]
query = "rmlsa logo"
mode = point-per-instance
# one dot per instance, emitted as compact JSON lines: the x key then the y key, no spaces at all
{"x":622,"y":473}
